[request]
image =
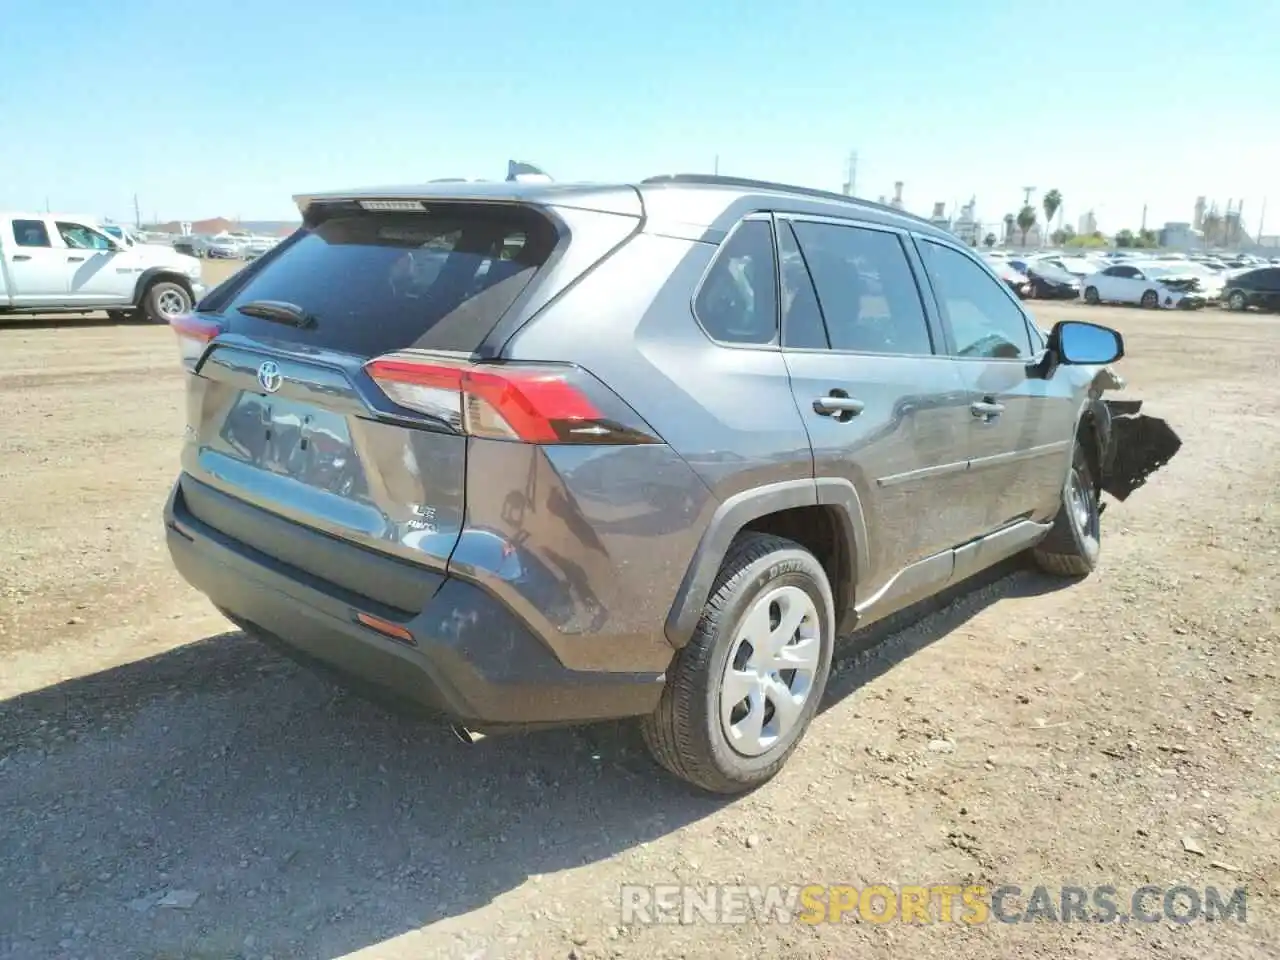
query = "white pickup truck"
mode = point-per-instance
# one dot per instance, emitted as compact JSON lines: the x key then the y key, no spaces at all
{"x":58,"y":263}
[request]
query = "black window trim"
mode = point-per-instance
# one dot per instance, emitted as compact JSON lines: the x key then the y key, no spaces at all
{"x":780,"y":221}
{"x":1035,"y":343}
{"x":757,"y":216}
{"x":932,"y":320}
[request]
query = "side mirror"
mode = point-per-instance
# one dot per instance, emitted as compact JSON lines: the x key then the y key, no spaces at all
{"x":1089,"y":344}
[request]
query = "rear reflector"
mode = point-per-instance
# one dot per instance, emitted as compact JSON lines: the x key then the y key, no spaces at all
{"x":194,"y":334}
{"x":385,"y":627}
{"x":533,"y":403}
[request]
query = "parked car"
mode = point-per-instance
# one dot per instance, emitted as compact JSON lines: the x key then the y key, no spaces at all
{"x":120,"y":233}
{"x":1259,"y":287}
{"x":1045,"y":281}
{"x":1148,"y":284}
{"x":224,"y":247}
{"x":399,"y":473}
{"x":1078,"y":267}
{"x":63,"y":263}
{"x":1012,"y":275}
{"x":255,"y":247}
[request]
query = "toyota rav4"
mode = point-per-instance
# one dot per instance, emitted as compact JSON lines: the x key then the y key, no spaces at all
{"x":532,"y":454}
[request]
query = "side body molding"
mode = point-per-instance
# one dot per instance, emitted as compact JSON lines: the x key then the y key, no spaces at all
{"x":741,"y":509}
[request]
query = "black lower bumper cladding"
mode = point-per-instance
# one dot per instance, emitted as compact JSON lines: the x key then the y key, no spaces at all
{"x":1140,"y":445}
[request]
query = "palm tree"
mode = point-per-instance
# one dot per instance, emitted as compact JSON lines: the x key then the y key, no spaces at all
{"x":1026,"y":219}
{"x":1009,"y":222}
{"x":1052,"y":203}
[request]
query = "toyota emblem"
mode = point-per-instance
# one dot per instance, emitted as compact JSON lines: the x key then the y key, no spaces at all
{"x":269,"y":376}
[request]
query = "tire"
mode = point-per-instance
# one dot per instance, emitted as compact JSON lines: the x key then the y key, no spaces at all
{"x":1074,"y":542}
{"x":1237,"y":300}
{"x":1091,"y":296}
{"x":160,"y":302}
{"x":1150,"y":300}
{"x":689,"y":733}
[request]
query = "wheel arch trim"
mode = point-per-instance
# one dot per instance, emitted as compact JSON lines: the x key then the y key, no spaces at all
{"x":735,"y":513}
{"x":154,"y":274}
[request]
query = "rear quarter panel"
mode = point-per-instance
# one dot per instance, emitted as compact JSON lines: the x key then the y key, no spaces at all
{"x":588,"y":544}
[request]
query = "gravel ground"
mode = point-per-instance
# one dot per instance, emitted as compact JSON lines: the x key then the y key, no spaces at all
{"x":170,"y":789}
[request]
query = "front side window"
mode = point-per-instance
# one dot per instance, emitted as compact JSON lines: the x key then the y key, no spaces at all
{"x":738,"y":300}
{"x":30,"y":233}
{"x":984,"y":320}
{"x":866,"y":289}
{"x":80,"y":237}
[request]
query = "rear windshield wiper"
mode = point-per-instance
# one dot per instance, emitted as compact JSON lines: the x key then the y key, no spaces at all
{"x":278,"y":311}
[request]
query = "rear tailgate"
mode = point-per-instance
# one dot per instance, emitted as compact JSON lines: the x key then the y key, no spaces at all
{"x":288,"y":436}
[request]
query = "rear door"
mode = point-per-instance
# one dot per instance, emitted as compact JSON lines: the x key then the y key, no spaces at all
{"x":38,"y":272}
{"x":884,"y":406}
{"x":284,"y":416}
{"x":1020,"y":426}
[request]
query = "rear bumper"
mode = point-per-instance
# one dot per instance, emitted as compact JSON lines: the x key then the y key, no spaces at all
{"x":471,"y":660}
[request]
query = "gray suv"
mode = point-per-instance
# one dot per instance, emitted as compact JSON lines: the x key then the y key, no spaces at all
{"x":532,"y":454}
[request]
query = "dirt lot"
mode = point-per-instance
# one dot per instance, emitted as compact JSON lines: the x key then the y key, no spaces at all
{"x":1022,"y":733}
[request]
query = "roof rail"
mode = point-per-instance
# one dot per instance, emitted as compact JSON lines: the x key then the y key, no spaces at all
{"x":715,"y":180}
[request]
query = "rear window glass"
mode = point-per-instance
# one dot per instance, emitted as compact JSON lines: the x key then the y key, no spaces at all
{"x":378,"y":282}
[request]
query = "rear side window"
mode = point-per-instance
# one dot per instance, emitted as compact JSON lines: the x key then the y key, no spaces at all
{"x":30,"y":233}
{"x":379,"y":282}
{"x":867,"y":291}
{"x":738,"y":299}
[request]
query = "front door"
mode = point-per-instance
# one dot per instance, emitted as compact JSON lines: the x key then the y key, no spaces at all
{"x":38,"y":271}
{"x":98,"y":273}
{"x":885,"y":410}
{"x":1020,"y":425}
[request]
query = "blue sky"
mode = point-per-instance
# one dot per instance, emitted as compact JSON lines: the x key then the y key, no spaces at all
{"x":228,"y":108}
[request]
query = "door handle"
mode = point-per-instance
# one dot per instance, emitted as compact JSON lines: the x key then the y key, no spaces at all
{"x":986,"y":410}
{"x":838,"y":404}
{"x":75,"y":259}
{"x":19,"y":257}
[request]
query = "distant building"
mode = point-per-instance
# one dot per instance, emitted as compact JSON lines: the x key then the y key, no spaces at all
{"x":966,"y":226}
{"x":1088,"y":224}
{"x":1180,"y":236}
{"x":939,"y":217}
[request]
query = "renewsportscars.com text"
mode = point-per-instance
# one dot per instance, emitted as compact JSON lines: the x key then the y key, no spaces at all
{"x":936,"y":903}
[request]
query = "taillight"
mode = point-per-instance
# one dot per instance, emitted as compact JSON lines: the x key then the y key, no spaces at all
{"x":194,"y":334}
{"x":533,"y":403}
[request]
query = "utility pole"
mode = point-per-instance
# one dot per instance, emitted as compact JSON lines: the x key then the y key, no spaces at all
{"x":46,"y":203}
{"x":137,"y":213}
{"x":1262,"y":219}
{"x":1026,"y":195}
{"x":1144,"y":217}
{"x":717,"y":165}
